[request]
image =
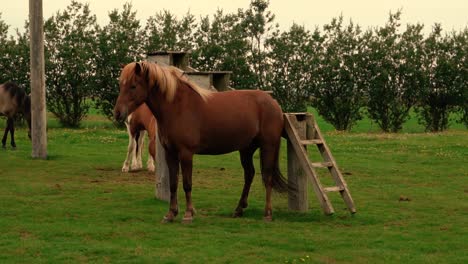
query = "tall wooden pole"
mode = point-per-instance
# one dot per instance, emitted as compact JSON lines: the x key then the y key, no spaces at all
{"x":38,"y":95}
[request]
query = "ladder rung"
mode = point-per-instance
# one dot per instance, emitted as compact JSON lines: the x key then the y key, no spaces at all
{"x":333,"y":189}
{"x":311,"y":142}
{"x":322,"y":164}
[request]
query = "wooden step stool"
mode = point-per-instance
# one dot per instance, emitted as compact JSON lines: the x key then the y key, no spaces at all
{"x":302,"y":131}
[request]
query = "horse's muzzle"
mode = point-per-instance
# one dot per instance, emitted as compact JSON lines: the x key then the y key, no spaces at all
{"x":120,"y":115}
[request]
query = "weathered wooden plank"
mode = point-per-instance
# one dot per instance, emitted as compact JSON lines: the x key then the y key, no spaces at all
{"x":333,"y":189}
{"x":322,"y":164}
{"x":311,"y":142}
{"x":298,"y":198}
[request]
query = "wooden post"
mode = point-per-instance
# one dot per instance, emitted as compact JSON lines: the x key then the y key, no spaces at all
{"x":38,"y":94}
{"x":297,"y":199}
{"x":162,"y":190}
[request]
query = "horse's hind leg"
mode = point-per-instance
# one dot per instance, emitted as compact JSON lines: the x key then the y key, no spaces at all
{"x":268,"y":158}
{"x":141,"y":145}
{"x":136,"y":157}
{"x":172,"y":161}
{"x":246,"y":156}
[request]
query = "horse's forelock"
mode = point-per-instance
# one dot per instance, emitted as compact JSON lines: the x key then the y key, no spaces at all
{"x":127,"y":72}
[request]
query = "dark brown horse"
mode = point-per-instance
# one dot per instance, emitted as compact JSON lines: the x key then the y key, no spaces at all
{"x":137,"y":123}
{"x":192,"y":121}
{"x":13,"y":101}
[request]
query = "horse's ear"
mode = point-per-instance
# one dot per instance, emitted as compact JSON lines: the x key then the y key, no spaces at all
{"x":122,"y":65}
{"x":137,"y":68}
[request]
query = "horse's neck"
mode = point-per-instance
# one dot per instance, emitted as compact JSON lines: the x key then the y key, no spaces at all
{"x":165,"y":111}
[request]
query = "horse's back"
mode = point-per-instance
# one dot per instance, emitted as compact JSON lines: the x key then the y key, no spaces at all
{"x":233,"y":119}
{"x":246,"y":106}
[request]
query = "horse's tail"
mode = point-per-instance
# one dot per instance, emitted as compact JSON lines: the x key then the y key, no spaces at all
{"x":278,"y":181}
{"x":284,"y":134}
{"x":280,"y":184}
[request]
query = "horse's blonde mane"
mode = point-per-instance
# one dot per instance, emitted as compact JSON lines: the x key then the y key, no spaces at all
{"x":166,"y":78}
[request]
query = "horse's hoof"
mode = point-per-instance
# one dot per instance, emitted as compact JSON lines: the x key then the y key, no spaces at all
{"x":125,"y":169}
{"x":136,"y":167}
{"x":238,"y":213}
{"x":267,"y":219}
{"x":13,"y":148}
{"x":167,"y":220}
{"x":187,"y":220}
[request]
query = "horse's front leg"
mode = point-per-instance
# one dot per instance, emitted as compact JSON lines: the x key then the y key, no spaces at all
{"x":9,"y":128}
{"x":173,"y":167}
{"x":186,"y":163}
{"x":249,"y":172}
{"x":5,"y":135}
{"x":11,"y":122}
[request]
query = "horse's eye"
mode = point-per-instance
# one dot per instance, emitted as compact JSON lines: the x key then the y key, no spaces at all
{"x":133,"y":87}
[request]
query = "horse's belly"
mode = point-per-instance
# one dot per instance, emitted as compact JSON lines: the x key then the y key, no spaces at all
{"x":215,"y":151}
{"x":226,"y":141}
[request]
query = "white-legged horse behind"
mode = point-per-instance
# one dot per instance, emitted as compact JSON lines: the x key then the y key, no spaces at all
{"x":138,"y":124}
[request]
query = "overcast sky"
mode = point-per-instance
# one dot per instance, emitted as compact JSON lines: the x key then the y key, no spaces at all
{"x":452,"y":14}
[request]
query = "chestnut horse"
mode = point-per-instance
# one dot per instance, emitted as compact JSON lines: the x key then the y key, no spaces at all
{"x":13,"y":101}
{"x":137,"y":123}
{"x":192,"y":120}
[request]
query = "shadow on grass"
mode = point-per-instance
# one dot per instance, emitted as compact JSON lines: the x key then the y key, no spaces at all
{"x":278,"y":215}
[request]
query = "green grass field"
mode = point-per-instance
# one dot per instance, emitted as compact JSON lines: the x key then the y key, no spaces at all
{"x":410,"y":191}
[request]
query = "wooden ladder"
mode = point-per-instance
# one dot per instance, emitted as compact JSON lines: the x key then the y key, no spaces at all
{"x":313,"y":136}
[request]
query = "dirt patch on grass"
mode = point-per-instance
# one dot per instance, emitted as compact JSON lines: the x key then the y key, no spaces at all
{"x":105,"y":168}
{"x":137,"y":177}
{"x":404,"y":198}
{"x":25,"y":234}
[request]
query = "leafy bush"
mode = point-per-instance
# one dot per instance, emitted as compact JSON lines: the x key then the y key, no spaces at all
{"x":70,"y":38}
{"x":14,"y":56}
{"x":221,"y":44}
{"x":289,"y":76}
{"x":446,"y":80}
{"x":343,"y":70}
{"x":118,"y":43}
{"x":339,"y":92}
{"x":394,"y":78}
{"x":165,"y":32}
